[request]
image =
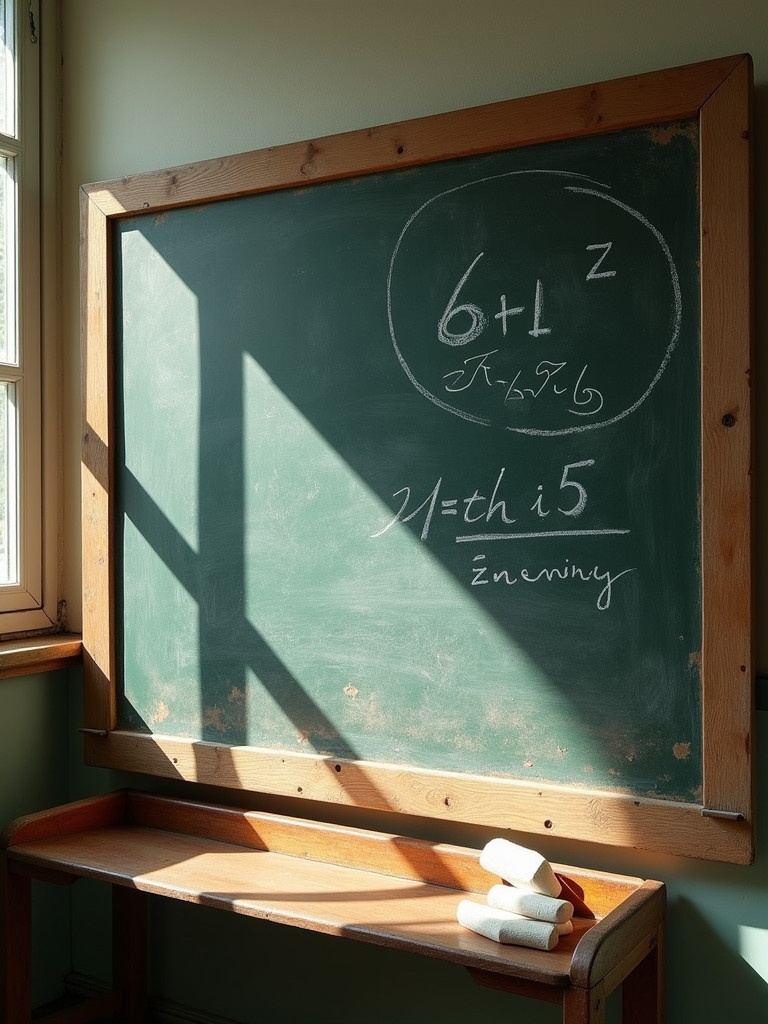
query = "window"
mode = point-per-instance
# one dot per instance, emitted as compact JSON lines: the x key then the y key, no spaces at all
{"x":23,"y":604}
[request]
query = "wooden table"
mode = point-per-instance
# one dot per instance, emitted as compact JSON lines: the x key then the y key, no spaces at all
{"x":374,"y":887}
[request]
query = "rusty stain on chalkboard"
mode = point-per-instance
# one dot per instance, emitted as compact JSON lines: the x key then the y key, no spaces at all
{"x":212,"y":719}
{"x":160,"y":712}
{"x":662,"y":134}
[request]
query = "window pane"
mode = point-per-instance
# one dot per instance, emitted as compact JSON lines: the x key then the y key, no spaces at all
{"x":7,"y":264}
{"x":27,"y":583}
{"x":7,"y":69}
{"x":9,"y":559}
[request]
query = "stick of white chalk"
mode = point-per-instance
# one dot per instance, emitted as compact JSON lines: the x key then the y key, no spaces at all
{"x":501,"y":926}
{"x":520,"y":866}
{"x":565,"y":928}
{"x":529,"y":904}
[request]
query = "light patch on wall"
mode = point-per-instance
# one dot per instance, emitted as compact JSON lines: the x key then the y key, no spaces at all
{"x":753,"y":946}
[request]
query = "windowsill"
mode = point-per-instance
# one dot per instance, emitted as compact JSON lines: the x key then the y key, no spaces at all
{"x":39,"y":654}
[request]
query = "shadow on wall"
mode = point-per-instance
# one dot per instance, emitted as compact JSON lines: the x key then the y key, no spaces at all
{"x":712,"y":981}
{"x":348,"y":980}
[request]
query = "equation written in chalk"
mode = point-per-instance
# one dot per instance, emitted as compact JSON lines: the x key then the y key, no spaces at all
{"x":498,"y":516}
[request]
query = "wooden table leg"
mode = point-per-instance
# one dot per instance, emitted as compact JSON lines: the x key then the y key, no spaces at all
{"x":643,"y":989}
{"x":129,"y":952}
{"x":15,"y":947}
{"x":584,"y":1006}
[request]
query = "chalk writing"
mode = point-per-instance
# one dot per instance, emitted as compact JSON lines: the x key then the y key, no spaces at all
{"x":501,"y":509}
{"x":478,"y":319}
{"x":494,"y":510}
{"x":541,"y":333}
{"x":480,"y":369}
{"x":595,"y":272}
{"x":483,"y":575}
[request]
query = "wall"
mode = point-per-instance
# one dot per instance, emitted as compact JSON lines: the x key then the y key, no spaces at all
{"x":33,"y":750}
{"x":149,"y":85}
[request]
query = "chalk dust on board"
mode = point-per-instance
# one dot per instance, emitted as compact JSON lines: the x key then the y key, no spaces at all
{"x":213,"y":719}
{"x":160,"y":712}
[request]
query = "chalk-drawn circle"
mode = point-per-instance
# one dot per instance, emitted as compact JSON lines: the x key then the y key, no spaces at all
{"x":533,"y":301}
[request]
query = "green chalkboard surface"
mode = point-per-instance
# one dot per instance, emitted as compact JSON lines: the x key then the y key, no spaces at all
{"x":410,"y":462}
{"x":416,"y":467}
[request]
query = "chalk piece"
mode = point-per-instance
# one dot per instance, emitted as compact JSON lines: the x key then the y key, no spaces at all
{"x":520,"y":866}
{"x":530,"y":904}
{"x":565,"y":928}
{"x":510,"y":929}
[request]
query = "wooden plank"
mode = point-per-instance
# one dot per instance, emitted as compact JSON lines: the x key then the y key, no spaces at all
{"x":15,"y":946}
{"x":554,"y":811}
{"x":100,"y":699}
{"x":68,"y":819}
{"x":594,"y":893}
{"x":643,"y":987}
{"x":618,"y":935}
{"x":728,"y":668}
{"x":675,"y":94}
{"x":375,"y":908}
{"x":436,"y":863}
{"x":228,"y":859}
{"x":515,"y":986}
{"x":584,"y":1006}
{"x":129,"y":952}
{"x":39,"y":654}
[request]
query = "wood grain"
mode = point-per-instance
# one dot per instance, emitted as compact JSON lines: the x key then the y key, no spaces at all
{"x":312,"y":875}
{"x":728,"y":668}
{"x":719,"y":92}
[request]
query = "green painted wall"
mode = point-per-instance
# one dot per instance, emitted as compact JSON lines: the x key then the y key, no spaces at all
{"x":148,"y":85}
{"x":34,"y":736}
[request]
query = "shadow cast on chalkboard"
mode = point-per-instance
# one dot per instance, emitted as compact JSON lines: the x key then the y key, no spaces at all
{"x":179,"y":558}
{"x":314,"y":527}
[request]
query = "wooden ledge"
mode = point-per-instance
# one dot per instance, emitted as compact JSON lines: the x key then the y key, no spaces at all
{"x":47,"y":653}
{"x":374,"y":887}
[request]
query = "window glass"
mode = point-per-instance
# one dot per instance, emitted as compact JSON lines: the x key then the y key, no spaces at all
{"x":7,"y":262}
{"x":27,"y":602}
{"x":8,"y":431}
{"x":8,"y":492}
{"x":7,"y":69}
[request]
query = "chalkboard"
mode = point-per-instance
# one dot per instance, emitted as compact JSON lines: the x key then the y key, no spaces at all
{"x":407,"y":478}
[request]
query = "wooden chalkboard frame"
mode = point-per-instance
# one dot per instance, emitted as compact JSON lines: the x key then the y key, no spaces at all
{"x":716,"y":92}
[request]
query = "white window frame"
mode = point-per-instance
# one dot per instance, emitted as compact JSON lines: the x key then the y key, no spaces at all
{"x":31,"y":605}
